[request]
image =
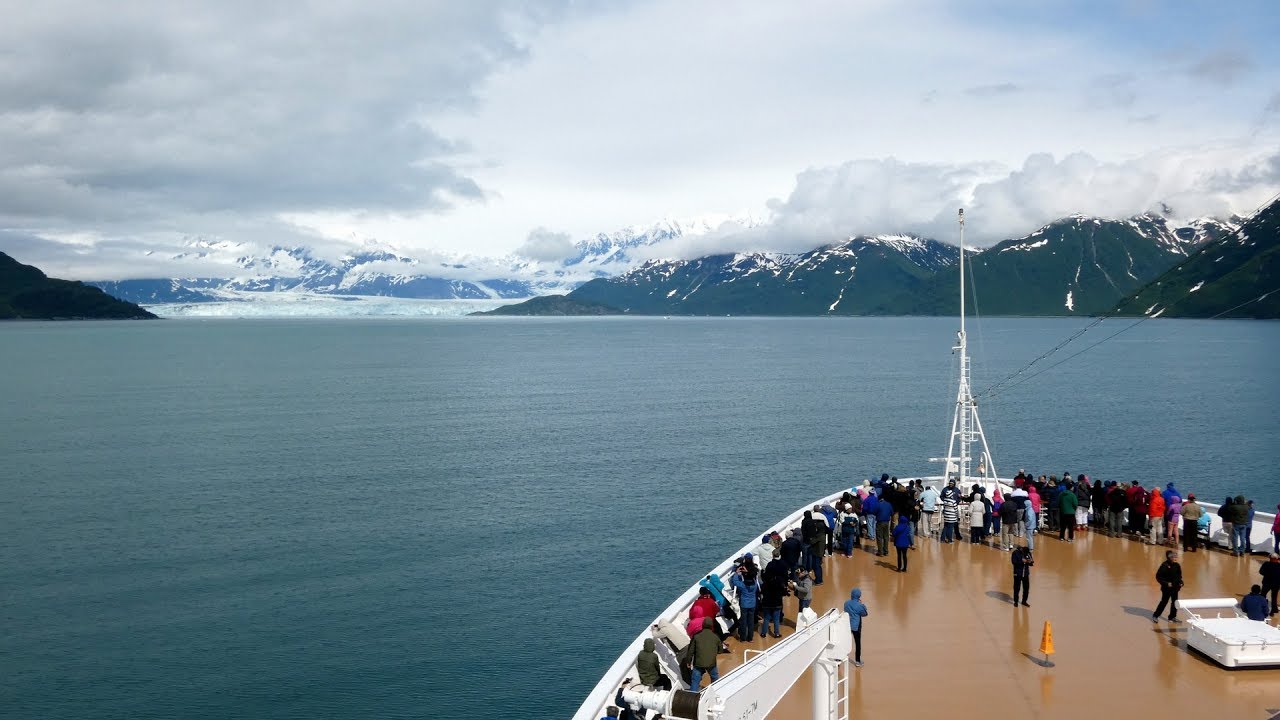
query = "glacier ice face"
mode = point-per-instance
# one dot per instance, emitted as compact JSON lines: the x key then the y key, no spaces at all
{"x":313,"y":305}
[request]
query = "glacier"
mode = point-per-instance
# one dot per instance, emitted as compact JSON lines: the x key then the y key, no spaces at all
{"x":316,"y":305}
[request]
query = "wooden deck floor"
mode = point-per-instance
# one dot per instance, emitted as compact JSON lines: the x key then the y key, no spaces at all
{"x":945,"y":640}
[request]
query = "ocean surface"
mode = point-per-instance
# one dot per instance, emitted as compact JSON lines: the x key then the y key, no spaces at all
{"x":471,"y":517}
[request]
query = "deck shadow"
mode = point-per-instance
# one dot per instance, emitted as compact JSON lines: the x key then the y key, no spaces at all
{"x":889,"y":565}
{"x":1041,"y":661}
{"x":1144,"y":613}
{"x":1003,"y":597}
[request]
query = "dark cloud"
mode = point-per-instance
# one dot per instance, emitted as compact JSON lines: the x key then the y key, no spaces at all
{"x":1222,"y":67}
{"x":150,"y":111}
{"x":996,"y":90}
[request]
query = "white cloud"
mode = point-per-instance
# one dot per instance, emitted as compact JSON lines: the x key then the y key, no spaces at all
{"x":543,"y":245}
{"x":868,"y":197}
{"x":458,"y":126}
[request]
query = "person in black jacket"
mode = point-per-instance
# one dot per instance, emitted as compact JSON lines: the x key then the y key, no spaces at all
{"x":1169,"y":575}
{"x":792,"y":550}
{"x":1270,"y":572}
{"x":1022,"y":562}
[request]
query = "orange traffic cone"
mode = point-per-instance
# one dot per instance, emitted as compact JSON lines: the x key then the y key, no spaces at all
{"x":1046,"y":641}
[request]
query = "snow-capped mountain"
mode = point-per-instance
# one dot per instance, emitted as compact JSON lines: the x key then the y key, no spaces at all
{"x":848,"y":277}
{"x":375,"y":269}
{"x":1075,"y":265}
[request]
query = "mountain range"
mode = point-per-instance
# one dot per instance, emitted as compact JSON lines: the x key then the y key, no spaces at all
{"x":1073,"y":266}
{"x":379,"y":270}
{"x":1235,"y":276}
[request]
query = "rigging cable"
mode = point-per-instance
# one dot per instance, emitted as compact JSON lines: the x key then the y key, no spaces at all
{"x":1013,"y":379}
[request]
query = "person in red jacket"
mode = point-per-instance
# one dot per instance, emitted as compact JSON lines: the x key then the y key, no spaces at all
{"x":1155,"y":511}
{"x":1137,"y":496}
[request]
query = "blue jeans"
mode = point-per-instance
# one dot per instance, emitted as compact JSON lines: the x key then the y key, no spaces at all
{"x":815,"y":566}
{"x":949,"y":531}
{"x":747,"y":624}
{"x":696,"y":681}
{"x":1239,"y":544}
{"x":806,"y":602}
{"x":871,"y":529}
{"x":846,"y":540}
{"x":770,"y":615}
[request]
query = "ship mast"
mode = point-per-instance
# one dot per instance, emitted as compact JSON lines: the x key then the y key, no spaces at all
{"x":966,"y":428}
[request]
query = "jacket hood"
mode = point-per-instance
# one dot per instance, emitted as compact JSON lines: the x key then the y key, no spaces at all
{"x":648,"y":644}
{"x":1240,"y":500}
{"x":1170,"y":487}
{"x":856,"y":594}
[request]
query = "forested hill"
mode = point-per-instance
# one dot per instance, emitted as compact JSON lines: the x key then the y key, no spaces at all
{"x":1237,"y":276}
{"x":26,"y":293}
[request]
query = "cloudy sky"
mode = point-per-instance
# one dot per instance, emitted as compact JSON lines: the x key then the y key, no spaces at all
{"x":490,"y":128}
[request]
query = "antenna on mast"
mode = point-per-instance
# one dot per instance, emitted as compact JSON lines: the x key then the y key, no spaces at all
{"x":966,"y":428}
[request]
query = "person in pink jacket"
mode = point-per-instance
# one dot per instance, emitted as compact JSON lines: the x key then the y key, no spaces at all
{"x":1035,"y":499}
{"x":1275,"y":531}
{"x":696,"y":615}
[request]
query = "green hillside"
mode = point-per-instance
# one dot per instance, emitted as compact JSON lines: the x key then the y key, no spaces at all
{"x":26,"y":293}
{"x":1224,"y":278}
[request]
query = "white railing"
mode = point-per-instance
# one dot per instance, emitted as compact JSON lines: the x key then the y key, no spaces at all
{"x":624,"y":667}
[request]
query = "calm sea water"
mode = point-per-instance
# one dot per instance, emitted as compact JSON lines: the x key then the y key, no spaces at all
{"x":470,"y":517}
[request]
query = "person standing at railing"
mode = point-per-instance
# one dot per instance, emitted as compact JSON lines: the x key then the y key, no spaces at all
{"x":1173,"y":514}
{"x":929,"y":507}
{"x":1240,"y":526}
{"x":1067,"y":504}
{"x":1248,"y":527}
{"x":1155,"y":511}
{"x":1275,"y":532}
{"x":1191,"y":513}
{"x":884,"y":516}
{"x":1009,"y":512}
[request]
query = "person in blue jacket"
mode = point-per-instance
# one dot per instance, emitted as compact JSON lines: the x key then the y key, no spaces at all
{"x":869,"y":505}
{"x":902,"y":540}
{"x":884,"y":515}
{"x":1255,"y":604}
{"x":746,"y":581}
{"x":856,"y":611}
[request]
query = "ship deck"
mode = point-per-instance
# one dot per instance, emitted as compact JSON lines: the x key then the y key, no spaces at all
{"x":945,"y":639}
